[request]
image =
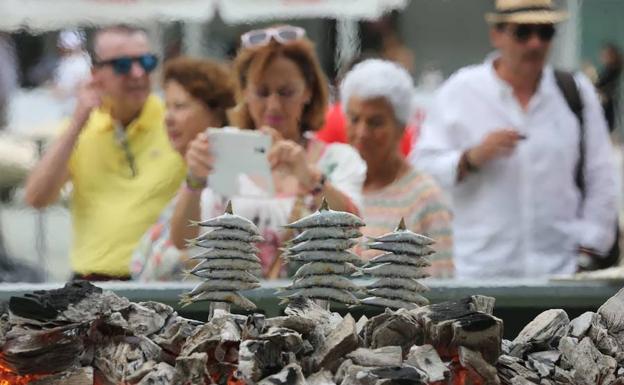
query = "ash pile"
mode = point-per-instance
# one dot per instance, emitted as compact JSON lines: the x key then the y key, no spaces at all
{"x":83,"y":335}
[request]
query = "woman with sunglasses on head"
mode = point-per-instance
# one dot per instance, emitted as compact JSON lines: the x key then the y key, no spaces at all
{"x":197,"y":95}
{"x":282,"y":91}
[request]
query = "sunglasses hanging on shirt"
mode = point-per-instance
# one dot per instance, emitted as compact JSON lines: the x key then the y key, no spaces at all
{"x":283,"y":35}
{"x":122,"y":65}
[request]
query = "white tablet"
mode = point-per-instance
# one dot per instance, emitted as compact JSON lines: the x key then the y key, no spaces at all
{"x":241,"y":166}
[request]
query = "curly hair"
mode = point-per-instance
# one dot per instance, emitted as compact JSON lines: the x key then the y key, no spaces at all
{"x":207,"y":81}
{"x":251,"y":62}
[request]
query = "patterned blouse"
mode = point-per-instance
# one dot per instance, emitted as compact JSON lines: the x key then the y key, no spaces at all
{"x":417,"y":198}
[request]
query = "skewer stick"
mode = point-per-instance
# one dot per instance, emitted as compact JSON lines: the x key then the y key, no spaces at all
{"x":218,"y":308}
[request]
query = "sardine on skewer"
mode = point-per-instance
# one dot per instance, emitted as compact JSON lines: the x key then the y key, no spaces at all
{"x":222,"y":253}
{"x":314,"y":233}
{"x":399,"y":259}
{"x":399,"y":283}
{"x":324,"y":256}
{"x":327,"y":293}
{"x":400,"y":294}
{"x":223,"y":285}
{"x":238,"y":275}
{"x":225,"y":245}
{"x":321,"y":268}
{"x":230,"y":221}
{"x":225,"y":264}
{"x":402,"y":235}
{"x":325,"y":217}
{"x":224,"y":234}
{"x":395,"y":271}
{"x":391,"y":303}
{"x":402,"y":248}
{"x":331,"y":280}
{"x":322,"y":244}
{"x":219,"y":296}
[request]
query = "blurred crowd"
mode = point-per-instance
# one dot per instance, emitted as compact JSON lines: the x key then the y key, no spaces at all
{"x":511,"y":173}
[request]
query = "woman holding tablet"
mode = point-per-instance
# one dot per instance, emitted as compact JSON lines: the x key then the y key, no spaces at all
{"x":282,"y":91}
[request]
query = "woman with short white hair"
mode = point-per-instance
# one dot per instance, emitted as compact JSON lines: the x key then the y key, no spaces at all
{"x":377,"y":97}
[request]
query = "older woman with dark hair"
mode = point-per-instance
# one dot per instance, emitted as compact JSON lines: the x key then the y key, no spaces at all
{"x":283,"y":92}
{"x":376,"y":97}
{"x":198,"y":94}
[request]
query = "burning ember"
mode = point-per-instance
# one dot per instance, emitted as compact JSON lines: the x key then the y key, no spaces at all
{"x":95,"y":337}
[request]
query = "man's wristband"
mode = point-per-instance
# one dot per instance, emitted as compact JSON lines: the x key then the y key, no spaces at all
{"x":194,"y":183}
{"x":468,"y":164}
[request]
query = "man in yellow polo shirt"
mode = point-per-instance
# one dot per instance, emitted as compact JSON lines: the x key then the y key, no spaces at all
{"x":116,"y":153}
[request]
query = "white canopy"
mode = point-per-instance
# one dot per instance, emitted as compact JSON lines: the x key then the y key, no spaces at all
{"x":242,"y":11}
{"x":45,"y":15}
{"x":42,"y":15}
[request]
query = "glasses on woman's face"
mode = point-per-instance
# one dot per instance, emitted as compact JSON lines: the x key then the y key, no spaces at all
{"x":523,"y":32}
{"x":282,"y":35}
{"x":122,"y":65}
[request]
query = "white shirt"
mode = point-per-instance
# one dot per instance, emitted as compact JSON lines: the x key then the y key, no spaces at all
{"x":520,"y":216}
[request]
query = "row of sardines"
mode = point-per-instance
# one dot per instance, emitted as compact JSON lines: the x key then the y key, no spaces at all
{"x":229,"y":264}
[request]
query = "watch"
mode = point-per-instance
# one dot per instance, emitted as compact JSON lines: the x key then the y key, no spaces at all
{"x":195,"y":183}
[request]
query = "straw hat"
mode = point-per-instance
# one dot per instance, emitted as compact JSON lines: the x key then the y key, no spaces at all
{"x":526,"y":12}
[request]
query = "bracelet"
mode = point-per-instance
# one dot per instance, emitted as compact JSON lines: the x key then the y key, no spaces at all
{"x":194,"y":183}
{"x":318,"y":188}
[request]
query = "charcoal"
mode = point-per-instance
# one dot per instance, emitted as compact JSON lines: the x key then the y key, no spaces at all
{"x":601,"y":338}
{"x":323,"y":377}
{"x":122,"y":357}
{"x":338,"y":343}
{"x":343,"y":370}
{"x":296,"y":323}
{"x":44,"y":351}
{"x":308,"y":309}
{"x":509,"y":367}
{"x":360,"y":324}
{"x":356,"y":375}
{"x":522,"y":381}
{"x":590,"y":365}
{"x":206,"y":337}
{"x":405,"y":374}
{"x":542,"y":333}
{"x":191,"y":370}
{"x":426,"y":359}
{"x":285,"y":339}
{"x":48,"y":304}
{"x":400,"y":328}
{"x":580,"y":325}
{"x":385,"y":356}
{"x":454,"y":323}
{"x":144,"y":321}
{"x":174,"y":334}
{"x":290,"y":375}
{"x":544,"y":362}
{"x":258,"y":359}
{"x":612,"y":313}
{"x":562,"y":376}
{"x":474,"y":361}
{"x":80,"y":376}
{"x":161,"y":374}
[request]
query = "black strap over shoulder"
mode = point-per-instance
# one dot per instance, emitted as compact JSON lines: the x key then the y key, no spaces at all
{"x":572,"y":95}
{"x":569,"y":89}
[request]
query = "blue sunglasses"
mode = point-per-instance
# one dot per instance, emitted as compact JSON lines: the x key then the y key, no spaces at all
{"x":123,"y":65}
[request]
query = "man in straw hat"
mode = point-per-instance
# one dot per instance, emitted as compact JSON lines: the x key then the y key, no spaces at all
{"x":504,"y":141}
